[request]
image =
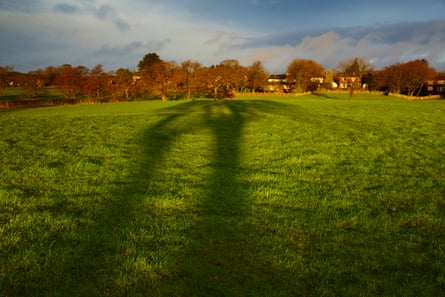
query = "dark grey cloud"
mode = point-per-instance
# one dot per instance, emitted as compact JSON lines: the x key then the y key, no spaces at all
{"x":121,"y":25}
{"x":419,"y":32}
{"x":66,"y":8}
{"x":27,"y":6}
{"x":32,"y":49}
{"x":290,"y":38}
{"x":290,"y":14}
{"x":106,"y":12}
{"x":121,"y":56}
{"x":136,"y":46}
{"x":102,"y":12}
{"x":119,"y":50}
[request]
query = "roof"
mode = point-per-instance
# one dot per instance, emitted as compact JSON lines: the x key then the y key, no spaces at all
{"x":278,"y":76}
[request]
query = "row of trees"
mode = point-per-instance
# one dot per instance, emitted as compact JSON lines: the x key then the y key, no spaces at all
{"x":166,"y":79}
{"x":154,"y":78}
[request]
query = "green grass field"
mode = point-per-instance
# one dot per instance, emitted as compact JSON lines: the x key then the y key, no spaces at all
{"x":308,"y":196}
{"x":18,"y":94}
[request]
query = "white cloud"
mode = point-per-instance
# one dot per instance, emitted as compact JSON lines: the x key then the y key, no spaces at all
{"x":381,"y":45}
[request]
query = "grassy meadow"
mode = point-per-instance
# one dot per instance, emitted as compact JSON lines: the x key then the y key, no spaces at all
{"x":17,"y":93}
{"x":257,"y":196}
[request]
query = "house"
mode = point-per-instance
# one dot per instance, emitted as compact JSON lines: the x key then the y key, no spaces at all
{"x":320,"y":80}
{"x":282,"y":84}
{"x":345,"y":82}
{"x":279,"y":83}
{"x":437,"y":85}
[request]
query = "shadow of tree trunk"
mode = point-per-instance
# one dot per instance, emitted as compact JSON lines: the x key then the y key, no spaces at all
{"x":222,"y":255}
{"x":110,"y":239}
{"x":216,"y":259}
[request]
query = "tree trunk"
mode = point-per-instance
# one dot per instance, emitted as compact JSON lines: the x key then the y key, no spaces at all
{"x":420,"y":90}
{"x":215,"y":93}
{"x":188,"y":94}
{"x":164,"y":92}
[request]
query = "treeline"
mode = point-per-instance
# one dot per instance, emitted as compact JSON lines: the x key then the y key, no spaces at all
{"x":157,"y":78}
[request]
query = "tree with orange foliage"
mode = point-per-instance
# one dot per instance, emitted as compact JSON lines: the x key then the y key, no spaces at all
{"x":224,"y":79}
{"x":123,"y":83}
{"x":417,"y":73}
{"x":69,"y":81}
{"x":409,"y":77}
{"x":392,"y":78}
{"x":301,"y":71}
{"x":3,"y":78}
{"x":256,"y":76}
{"x":159,"y":77}
{"x":212,"y":82}
{"x":96,"y":82}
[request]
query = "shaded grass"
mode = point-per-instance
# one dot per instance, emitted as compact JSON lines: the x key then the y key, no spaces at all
{"x":16,"y":93}
{"x":309,"y":196}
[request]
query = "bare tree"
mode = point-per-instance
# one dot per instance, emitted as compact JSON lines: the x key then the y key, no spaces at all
{"x":189,"y":70}
{"x":32,"y":83}
{"x":353,"y":71}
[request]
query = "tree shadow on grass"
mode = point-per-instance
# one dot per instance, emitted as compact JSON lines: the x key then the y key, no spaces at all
{"x":214,"y":250}
{"x":135,"y":244}
{"x":221,"y":255}
{"x":144,"y":244}
{"x":148,"y":239}
{"x":217,"y":261}
{"x":330,"y":95}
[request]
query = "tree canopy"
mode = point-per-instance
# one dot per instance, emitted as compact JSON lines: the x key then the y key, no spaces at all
{"x":148,"y":60}
{"x":408,"y":77}
{"x":301,"y":71}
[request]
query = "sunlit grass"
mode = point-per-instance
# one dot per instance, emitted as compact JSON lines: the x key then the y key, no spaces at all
{"x":310,"y":196}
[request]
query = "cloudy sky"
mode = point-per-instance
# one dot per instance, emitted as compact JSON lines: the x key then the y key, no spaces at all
{"x":118,"y":33}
